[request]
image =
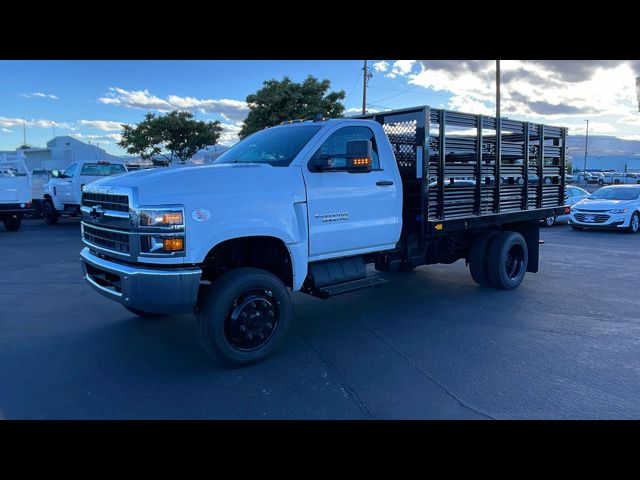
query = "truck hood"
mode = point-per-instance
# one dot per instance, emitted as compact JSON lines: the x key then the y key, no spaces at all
{"x":182,"y":185}
{"x":597,"y":204}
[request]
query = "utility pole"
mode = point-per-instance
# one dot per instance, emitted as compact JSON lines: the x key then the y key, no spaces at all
{"x":638,"y":91}
{"x":53,"y":126}
{"x":366,"y":76}
{"x":497,"y":88}
{"x":24,"y":132}
{"x":586,"y":144}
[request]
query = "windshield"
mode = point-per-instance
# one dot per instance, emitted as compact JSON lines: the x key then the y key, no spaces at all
{"x":275,"y":146}
{"x":616,"y":193}
{"x":12,"y":169}
{"x":102,"y":169}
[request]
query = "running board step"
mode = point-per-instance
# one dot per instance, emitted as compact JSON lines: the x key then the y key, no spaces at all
{"x":350,"y":286}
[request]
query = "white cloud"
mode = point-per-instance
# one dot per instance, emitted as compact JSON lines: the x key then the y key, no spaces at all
{"x":233,"y":110}
{"x":39,"y":95}
{"x":381,"y":66}
{"x":105,"y":125}
{"x":6,"y":130}
{"x":105,"y":138}
{"x":18,"y":122}
{"x":401,"y":68}
{"x":229,"y":135}
{"x":350,"y":112}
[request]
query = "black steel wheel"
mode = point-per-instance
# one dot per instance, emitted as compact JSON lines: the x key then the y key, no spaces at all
{"x":243,"y":316}
{"x":49,"y":213}
{"x":11,"y":223}
{"x":507,"y":260}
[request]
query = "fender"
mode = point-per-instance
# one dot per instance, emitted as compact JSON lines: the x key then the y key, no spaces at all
{"x":293,"y":234}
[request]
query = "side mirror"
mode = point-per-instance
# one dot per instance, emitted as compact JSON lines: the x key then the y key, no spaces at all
{"x":359,"y":154}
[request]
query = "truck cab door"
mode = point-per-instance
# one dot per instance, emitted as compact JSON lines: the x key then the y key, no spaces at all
{"x":64,"y":186}
{"x":352,"y":213}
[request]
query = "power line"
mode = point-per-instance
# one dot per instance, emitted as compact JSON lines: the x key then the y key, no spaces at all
{"x":354,"y":85}
{"x":397,"y":94}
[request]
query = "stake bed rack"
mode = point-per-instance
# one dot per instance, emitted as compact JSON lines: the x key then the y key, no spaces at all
{"x":463,"y":171}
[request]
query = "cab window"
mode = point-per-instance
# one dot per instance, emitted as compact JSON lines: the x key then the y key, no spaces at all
{"x":70,"y":170}
{"x":335,"y":147}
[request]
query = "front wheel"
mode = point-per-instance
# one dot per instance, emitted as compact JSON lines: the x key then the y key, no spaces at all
{"x":12,"y":223}
{"x":49,"y":213}
{"x":634,"y":224}
{"x":243,"y":316}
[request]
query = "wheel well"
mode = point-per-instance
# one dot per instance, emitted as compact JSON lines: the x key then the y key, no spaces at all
{"x":267,"y":253}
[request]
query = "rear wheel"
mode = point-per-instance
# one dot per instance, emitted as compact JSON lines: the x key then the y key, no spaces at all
{"x":12,"y":223}
{"x":478,"y":258}
{"x":243,"y":316}
{"x":634,"y":224}
{"x":49,"y":213}
{"x":507,"y":260}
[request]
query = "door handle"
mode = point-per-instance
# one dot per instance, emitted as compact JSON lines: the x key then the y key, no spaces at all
{"x":384,"y":183}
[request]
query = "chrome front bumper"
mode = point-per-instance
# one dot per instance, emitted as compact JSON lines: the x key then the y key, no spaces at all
{"x":151,"y":290}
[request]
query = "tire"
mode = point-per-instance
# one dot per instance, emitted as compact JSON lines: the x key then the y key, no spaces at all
{"x":634,"y":224}
{"x":244,"y":292}
{"x":140,"y":313}
{"x":12,"y":224}
{"x":478,"y":258}
{"x":49,"y":213}
{"x":507,"y":260}
{"x":549,"y":221}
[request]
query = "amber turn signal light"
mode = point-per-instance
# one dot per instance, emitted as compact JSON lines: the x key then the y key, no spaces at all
{"x":173,"y":244}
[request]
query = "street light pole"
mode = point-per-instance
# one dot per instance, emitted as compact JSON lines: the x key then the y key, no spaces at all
{"x":586,"y":146}
{"x":497,"y":88}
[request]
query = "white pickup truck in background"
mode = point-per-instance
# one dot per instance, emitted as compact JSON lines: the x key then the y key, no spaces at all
{"x":62,"y":194}
{"x":307,"y":205}
{"x":15,"y":192}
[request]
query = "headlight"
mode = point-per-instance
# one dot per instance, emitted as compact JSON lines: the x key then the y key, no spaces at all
{"x":161,"y":217}
{"x":622,"y":210}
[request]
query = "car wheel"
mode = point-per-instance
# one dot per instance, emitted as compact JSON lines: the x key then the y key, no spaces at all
{"x":478,"y":258}
{"x":11,"y":223}
{"x":507,"y":260}
{"x":549,"y":221}
{"x":49,"y":213}
{"x":634,"y":224}
{"x":243,"y":316}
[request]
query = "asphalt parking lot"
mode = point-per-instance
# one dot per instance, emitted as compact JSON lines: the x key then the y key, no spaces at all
{"x":430,"y":344}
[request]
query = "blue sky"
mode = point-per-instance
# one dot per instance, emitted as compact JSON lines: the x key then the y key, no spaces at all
{"x":89,"y":99}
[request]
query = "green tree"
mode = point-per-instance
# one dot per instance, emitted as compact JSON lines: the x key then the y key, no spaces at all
{"x":176,"y":135}
{"x":286,"y":100}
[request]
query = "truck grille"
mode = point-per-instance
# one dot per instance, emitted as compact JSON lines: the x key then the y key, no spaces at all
{"x":106,"y":238}
{"x":597,"y":218}
{"x":119,"y":203}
